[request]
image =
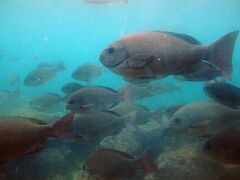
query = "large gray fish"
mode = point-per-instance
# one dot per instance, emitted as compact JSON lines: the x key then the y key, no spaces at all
{"x":97,"y":125}
{"x":6,"y":96}
{"x":204,"y":119}
{"x":104,"y":1}
{"x":224,"y":147}
{"x":87,"y":71}
{"x":42,"y":74}
{"x":139,"y":92}
{"x":152,"y":54}
{"x":46,"y":101}
{"x":93,"y":98}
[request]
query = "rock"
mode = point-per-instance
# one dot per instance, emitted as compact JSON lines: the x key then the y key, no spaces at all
{"x":186,"y":163}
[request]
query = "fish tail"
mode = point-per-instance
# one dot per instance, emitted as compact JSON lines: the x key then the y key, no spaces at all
{"x":147,"y":162}
{"x":131,"y":120}
{"x":221,"y":53}
{"x":126,"y":96}
{"x":62,"y":128}
{"x":60,"y":66}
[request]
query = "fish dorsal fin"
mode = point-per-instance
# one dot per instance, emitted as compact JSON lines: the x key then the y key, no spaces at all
{"x":53,"y":94}
{"x":107,"y":88}
{"x":119,"y":152}
{"x":112,"y":112}
{"x":184,"y":37}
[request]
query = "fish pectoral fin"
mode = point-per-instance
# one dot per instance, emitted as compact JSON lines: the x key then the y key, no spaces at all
{"x":87,"y":106}
{"x":139,"y":60}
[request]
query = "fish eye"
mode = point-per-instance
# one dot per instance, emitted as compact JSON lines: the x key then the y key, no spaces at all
{"x":111,"y":50}
{"x":177,"y":121}
{"x":71,"y":102}
{"x":84,"y":167}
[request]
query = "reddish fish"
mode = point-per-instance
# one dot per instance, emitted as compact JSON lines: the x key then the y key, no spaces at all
{"x":109,"y":164}
{"x":152,"y":55}
{"x":19,"y":137}
{"x":224,"y":147}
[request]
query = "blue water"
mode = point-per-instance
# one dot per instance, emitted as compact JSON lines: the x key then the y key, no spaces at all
{"x":33,"y":31}
{"x":75,"y":32}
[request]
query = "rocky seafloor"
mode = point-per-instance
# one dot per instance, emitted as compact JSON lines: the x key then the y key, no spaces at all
{"x":178,"y":157}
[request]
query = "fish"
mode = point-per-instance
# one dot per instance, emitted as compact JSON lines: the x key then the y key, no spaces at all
{"x":170,"y":110}
{"x":142,"y":112}
{"x":87,"y":71}
{"x":199,"y":72}
{"x":104,"y":1}
{"x":204,"y":119}
{"x":23,"y":118}
{"x":6,"y":96}
{"x":13,"y":79}
{"x":109,"y":164}
{"x":70,"y":88}
{"x":42,"y":74}
{"x":224,"y":147}
{"x":223,"y":93}
{"x":139,"y":92}
{"x":158,"y":54}
{"x":162,"y":112}
{"x":95,"y":126}
{"x":92,"y":99}
{"x":46,"y":101}
{"x":19,"y":137}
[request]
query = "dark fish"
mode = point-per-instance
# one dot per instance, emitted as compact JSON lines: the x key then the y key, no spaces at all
{"x":93,"y":98}
{"x":200,"y":72}
{"x":109,"y":164}
{"x":153,"y":54}
{"x":142,"y":113}
{"x":70,"y":88}
{"x":97,"y":125}
{"x":42,"y":74}
{"x":46,"y":101}
{"x":86,"y":72}
{"x":104,"y":1}
{"x":19,"y":137}
{"x":224,"y":147}
{"x":6,"y":96}
{"x":223,"y":92}
{"x":138,"y":92}
{"x":204,"y":119}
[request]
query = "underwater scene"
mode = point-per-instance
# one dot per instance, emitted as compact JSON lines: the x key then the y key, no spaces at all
{"x":119,"y":90}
